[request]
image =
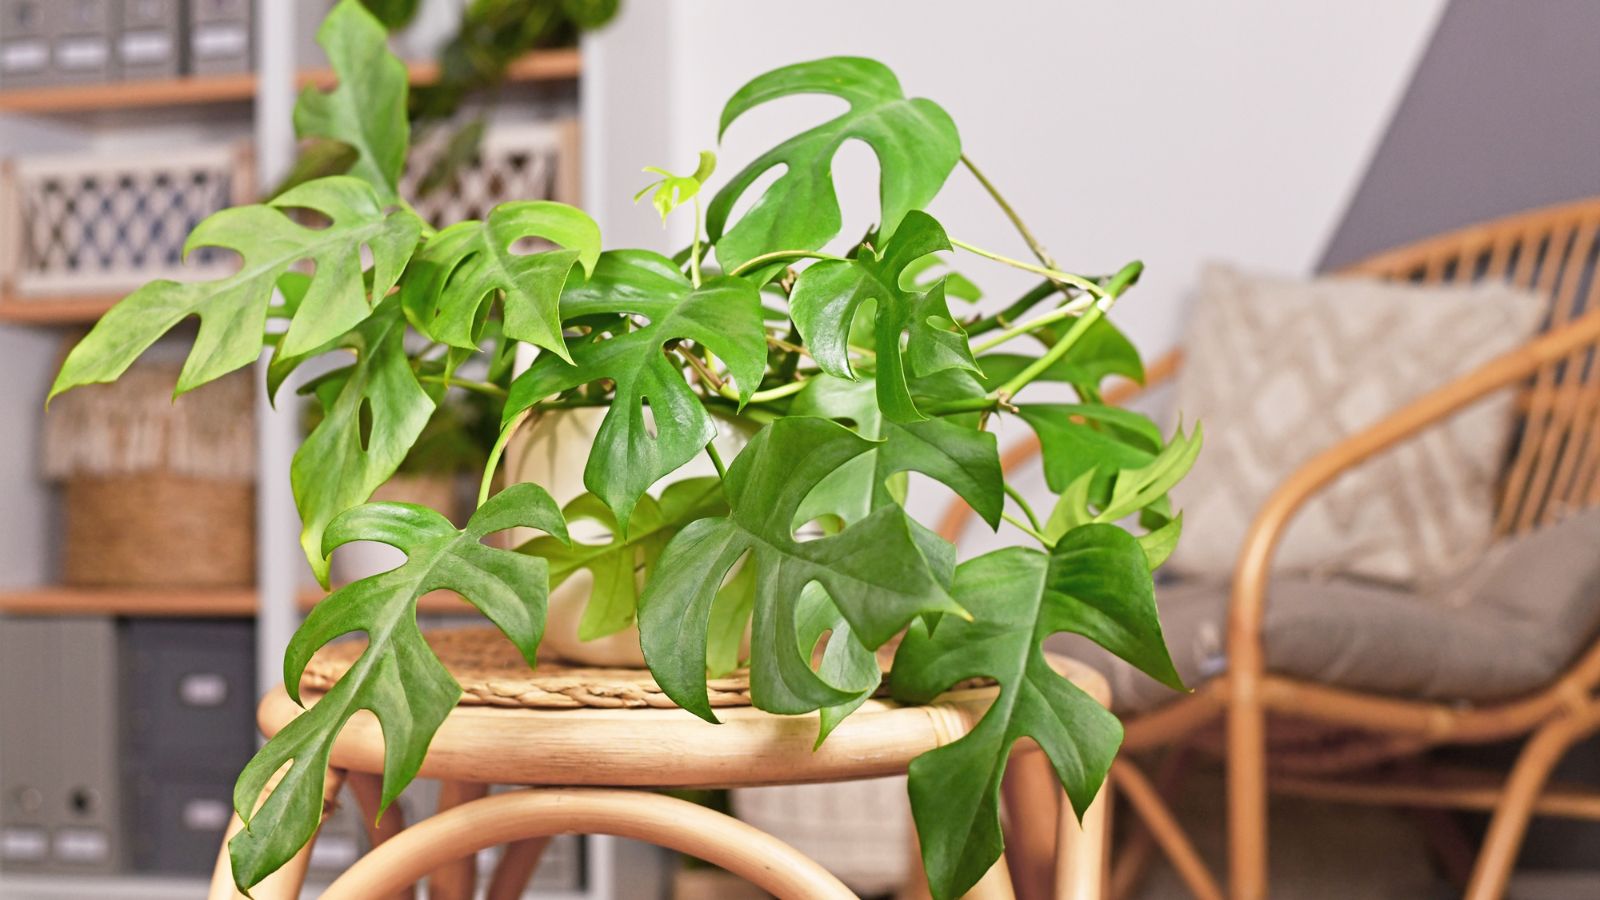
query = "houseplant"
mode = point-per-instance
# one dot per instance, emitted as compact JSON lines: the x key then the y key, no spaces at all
{"x":853,"y":367}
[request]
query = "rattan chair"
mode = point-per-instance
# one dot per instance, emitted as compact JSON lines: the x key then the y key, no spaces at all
{"x":596,"y":745}
{"x":1554,"y":471}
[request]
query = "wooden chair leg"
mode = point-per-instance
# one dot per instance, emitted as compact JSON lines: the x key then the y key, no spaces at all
{"x":1247,"y":790}
{"x":515,"y":869}
{"x":1032,"y":805}
{"x":518,"y":815}
{"x":1082,"y":850}
{"x":1510,"y":821}
{"x":457,"y":878}
{"x":1132,"y":856}
{"x":368,"y":791}
{"x":1149,"y":807}
{"x":284,"y":884}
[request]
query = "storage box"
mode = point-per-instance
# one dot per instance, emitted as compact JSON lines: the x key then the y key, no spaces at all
{"x":189,"y":693}
{"x":58,"y":701}
{"x":221,"y":36}
{"x":80,"y":41}
{"x":24,"y":44}
{"x":87,"y":225}
{"x":148,"y":40}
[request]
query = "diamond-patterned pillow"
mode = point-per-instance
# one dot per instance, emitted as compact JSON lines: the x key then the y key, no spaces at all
{"x":1279,"y":370}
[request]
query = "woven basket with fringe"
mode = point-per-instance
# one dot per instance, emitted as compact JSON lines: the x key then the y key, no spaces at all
{"x":158,"y":492}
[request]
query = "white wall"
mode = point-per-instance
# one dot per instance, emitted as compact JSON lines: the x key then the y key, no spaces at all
{"x":1173,"y":133}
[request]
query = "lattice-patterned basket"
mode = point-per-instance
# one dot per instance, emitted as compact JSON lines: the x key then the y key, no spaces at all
{"x":76,"y":227}
{"x":526,"y":161}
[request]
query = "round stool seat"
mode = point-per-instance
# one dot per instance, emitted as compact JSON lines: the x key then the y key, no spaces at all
{"x":560,"y":725}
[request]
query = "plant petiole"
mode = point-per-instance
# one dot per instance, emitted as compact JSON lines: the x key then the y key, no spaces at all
{"x":1070,"y":309}
{"x":756,"y":262}
{"x":1077,"y":281}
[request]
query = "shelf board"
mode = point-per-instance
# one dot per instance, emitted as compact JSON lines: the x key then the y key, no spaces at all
{"x":136,"y":602}
{"x":71,"y":310}
{"x":563,"y":64}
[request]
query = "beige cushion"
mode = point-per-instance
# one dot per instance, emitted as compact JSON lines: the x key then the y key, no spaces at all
{"x":1505,"y":626}
{"x":1278,"y":370}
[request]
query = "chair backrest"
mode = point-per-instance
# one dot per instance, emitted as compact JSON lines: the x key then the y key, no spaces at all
{"x":1554,"y":466}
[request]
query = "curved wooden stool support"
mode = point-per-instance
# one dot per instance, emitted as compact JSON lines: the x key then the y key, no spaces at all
{"x":511,"y":817}
{"x":579,"y":738}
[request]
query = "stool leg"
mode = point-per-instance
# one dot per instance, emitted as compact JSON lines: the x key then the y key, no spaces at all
{"x":669,"y":822}
{"x":456,"y":879}
{"x":516,"y":868}
{"x":284,"y":884}
{"x":994,"y":885}
{"x":368,"y":791}
{"x":1032,"y":804}
{"x":1081,"y":850}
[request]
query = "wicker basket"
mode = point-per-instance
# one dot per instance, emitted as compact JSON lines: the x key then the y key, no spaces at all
{"x":157,"y":492}
{"x":159,"y":530}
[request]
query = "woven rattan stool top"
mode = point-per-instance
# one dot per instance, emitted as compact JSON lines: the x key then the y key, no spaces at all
{"x":492,"y":673}
{"x":610,"y":727}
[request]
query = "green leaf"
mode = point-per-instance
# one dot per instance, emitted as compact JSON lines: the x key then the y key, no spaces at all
{"x":1159,"y":543}
{"x":1094,"y":583}
{"x":368,"y":108}
{"x":1071,"y":510}
{"x":672,"y":191}
{"x":1102,"y":352}
{"x":397,"y":677}
{"x":963,"y":458}
{"x":876,"y":572}
{"x":338,"y":466}
{"x":828,"y":295}
{"x":723,"y":314}
{"x":617,"y":564}
{"x":1075,"y":438}
{"x":1138,"y":488}
{"x":457,"y":275}
{"x":914,"y":140}
{"x":921,"y":276}
{"x":233,"y":310}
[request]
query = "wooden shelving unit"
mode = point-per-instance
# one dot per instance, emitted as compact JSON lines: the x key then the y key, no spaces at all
{"x":229,"y":603}
{"x":546,"y":65}
{"x":55,"y":310}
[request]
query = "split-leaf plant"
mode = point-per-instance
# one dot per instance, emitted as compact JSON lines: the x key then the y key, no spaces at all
{"x":851,"y":369}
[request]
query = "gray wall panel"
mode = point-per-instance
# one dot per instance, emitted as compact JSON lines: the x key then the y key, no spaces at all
{"x":1502,"y":115}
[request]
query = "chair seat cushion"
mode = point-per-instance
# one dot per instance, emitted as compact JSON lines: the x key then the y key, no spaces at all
{"x":1506,"y":626}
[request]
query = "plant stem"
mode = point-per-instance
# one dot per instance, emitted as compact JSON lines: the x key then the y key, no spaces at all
{"x":1025,"y":529}
{"x":694,"y":248}
{"x":716,"y":458}
{"x":1119,"y":283}
{"x":1023,"y":505}
{"x":1077,"y":281}
{"x":496,"y":452}
{"x":994,"y":193}
{"x":482,"y":387}
{"x":1035,"y":295}
{"x":1065,"y":311}
{"x":756,"y":262}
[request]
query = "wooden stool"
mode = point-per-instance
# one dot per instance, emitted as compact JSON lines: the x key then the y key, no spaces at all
{"x":593,"y":742}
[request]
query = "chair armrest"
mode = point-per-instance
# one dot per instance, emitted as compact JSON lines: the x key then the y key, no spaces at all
{"x":1261,"y":541}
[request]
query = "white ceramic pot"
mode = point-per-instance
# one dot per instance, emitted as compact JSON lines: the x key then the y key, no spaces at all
{"x":359,"y":559}
{"x":551,"y":451}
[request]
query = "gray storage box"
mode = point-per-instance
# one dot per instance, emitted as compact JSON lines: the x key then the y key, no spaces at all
{"x":221,"y":36}
{"x":189,"y":694}
{"x":80,"y":41}
{"x":176,"y":822}
{"x":24,"y":44}
{"x":149,"y":39}
{"x":58,"y":700}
